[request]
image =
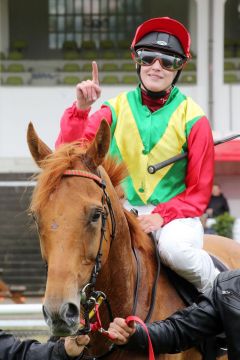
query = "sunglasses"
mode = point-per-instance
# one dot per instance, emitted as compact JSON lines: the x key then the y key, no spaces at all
{"x":168,"y":62}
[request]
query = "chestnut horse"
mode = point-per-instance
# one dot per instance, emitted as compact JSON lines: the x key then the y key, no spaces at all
{"x":70,"y":209}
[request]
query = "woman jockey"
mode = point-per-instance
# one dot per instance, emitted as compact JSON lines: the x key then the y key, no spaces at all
{"x":149,"y":124}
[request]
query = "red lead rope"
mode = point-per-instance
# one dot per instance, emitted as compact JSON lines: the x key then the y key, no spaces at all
{"x":97,"y":326}
{"x":139,"y":321}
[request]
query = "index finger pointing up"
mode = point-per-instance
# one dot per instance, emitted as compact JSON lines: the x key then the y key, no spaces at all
{"x":95,"y":72}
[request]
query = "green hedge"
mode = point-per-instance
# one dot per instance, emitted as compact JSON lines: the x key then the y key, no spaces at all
{"x":224,"y":225}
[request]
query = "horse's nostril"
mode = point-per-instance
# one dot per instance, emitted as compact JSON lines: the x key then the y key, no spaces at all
{"x":69,"y":311}
{"x":72,"y":310}
{"x":46,"y":315}
{"x":45,"y":311}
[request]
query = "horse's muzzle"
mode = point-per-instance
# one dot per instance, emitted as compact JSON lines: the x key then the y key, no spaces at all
{"x":62,"y":323}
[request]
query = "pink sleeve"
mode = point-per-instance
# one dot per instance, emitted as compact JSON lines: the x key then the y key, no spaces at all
{"x":77,"y":124}
{"x":199,"y":178}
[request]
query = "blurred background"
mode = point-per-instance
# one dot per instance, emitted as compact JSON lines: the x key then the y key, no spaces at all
{"x":46,"y":48}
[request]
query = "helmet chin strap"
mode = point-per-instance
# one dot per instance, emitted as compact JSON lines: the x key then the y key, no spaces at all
{"x":156,"y":94}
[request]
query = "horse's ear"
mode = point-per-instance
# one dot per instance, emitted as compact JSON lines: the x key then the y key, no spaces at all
{"x":100,"y":146}
{"x":37,"y":147}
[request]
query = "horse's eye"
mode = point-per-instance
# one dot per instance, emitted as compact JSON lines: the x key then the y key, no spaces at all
{"x":96,"y":215}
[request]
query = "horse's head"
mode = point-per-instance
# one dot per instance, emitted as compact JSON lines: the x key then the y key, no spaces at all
{"x":70,"y":209}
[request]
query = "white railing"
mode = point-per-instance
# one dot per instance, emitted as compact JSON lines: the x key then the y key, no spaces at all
{"x":18,"y":183}
{"x":23,"y":323}
{"x":10,"y":309}
{"x":25,"y":316}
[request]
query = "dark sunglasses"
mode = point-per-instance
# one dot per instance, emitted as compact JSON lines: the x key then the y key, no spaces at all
{"x":169,"y":62}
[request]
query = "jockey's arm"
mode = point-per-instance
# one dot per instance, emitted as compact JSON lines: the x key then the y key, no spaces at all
{"x":77,"y":124}
{"x":193,"y":201}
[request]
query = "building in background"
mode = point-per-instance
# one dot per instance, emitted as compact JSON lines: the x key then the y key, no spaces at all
{"x":47,"y":46}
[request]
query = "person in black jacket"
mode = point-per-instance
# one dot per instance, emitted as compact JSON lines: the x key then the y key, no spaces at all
{"x":12,"y":348}
{"x":218,"y":204}
{"x":217,"y":310}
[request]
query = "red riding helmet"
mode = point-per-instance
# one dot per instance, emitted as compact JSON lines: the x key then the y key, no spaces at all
{"x":163,"y":33}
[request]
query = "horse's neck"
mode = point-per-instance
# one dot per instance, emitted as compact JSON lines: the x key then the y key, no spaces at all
{"x":119,"y":275}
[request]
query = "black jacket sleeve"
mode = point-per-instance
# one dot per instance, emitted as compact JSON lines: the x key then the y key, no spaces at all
{"x":217,"y":310}
{"x":12,"y":348}
{"x":180,"y":331}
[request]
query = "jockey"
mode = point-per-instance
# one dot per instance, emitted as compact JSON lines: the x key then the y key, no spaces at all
{"x":154,"y":122}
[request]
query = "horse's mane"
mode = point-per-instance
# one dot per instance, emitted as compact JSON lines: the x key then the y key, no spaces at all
{"x":117,"y":171}
{"x":140,"y":240}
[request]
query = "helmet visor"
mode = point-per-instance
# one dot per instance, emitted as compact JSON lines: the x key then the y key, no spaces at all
{"x":168,"y":62}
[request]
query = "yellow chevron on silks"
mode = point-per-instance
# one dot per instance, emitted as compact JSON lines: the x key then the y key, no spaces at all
{"x":193,"y":110}
{"x":119,"y":101}
{"x":178,"y":124}
{"x":131,"y":148}
{"x":132,"y":141}
{"x":175,"y":132}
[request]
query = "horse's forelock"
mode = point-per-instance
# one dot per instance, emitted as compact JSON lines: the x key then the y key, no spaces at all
{"x":66,"y":157}
{"x":53,"y":167}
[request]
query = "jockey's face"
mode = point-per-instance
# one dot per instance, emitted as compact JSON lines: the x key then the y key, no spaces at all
{"x":216,"y":190}
{"x":156,"y":78}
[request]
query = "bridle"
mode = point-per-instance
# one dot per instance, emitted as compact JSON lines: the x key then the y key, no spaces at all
{"x":106,"y":201}
{"x":107,"y":210}
{"x":89,"y":296}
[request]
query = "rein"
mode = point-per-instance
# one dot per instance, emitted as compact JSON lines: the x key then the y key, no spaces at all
{"x":138,"y":280}
{"x":154,"y":289}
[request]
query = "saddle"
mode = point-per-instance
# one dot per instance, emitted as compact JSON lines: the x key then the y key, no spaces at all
{"x":210,"y":348}
{"x":185,"y":289}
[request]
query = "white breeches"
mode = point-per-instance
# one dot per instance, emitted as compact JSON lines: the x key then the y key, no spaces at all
{"x":180,"y":245}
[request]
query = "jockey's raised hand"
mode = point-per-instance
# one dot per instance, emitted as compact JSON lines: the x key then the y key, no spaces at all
{"x":88,"y":91}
